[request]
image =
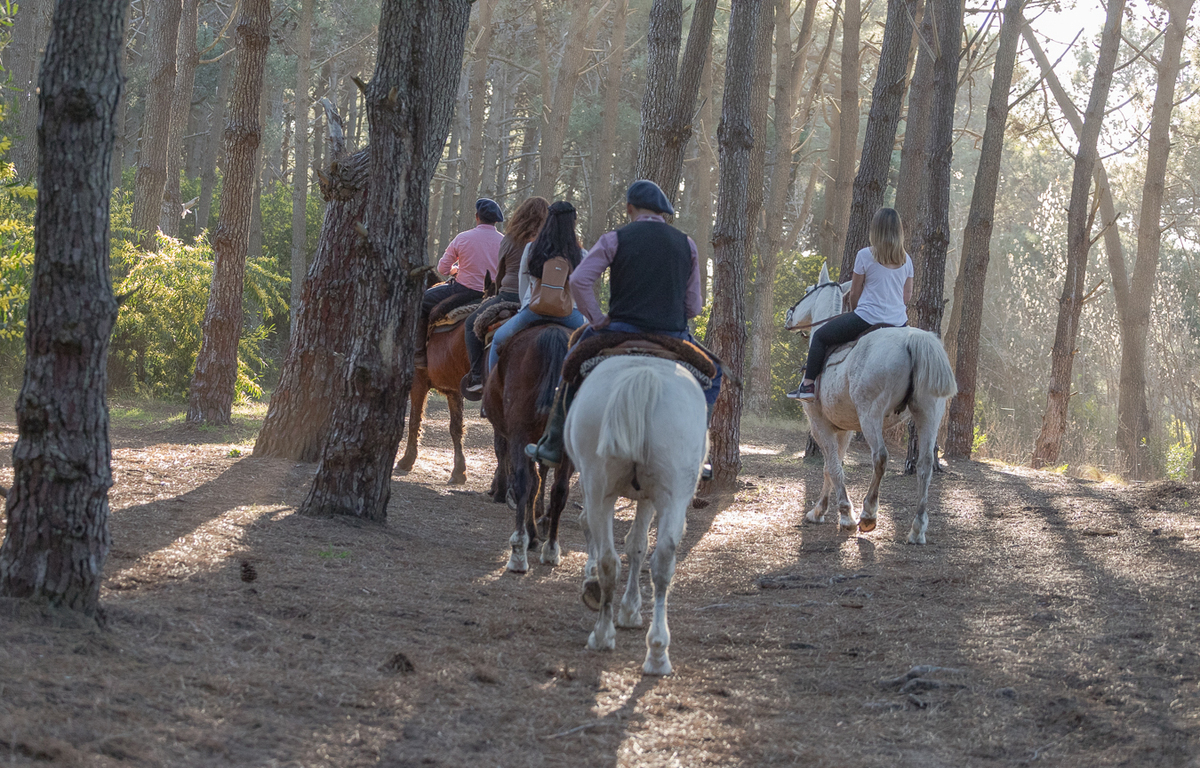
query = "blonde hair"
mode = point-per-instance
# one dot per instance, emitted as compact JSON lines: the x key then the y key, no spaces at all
{"x":887,"y":238}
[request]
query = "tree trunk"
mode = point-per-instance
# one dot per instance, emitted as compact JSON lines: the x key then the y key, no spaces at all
{"x":210,"y":399}
{"x":837,"y":199}
{"x":605,"y":188}
{"x":1133,"y":414}
{"x":300,"y":177}
{"x":912,"y":181}
{"x":187,"y":58}
{"x":151,"y":180}
{"x":977,"y":238}
{"x":555,"y":130}
{"x":212,"y":149}
{"x":57,"y":536}
{"x":669,"y":102}
{"x":891,"y":80}
{"x":704,"y":175}
{"x":727,"y":325}
{"x":1070,"y":305}
{"x":31,"y":30}
{"x":410,"y":102}
{"x":759,"y":103}
{"x":472,"y":138}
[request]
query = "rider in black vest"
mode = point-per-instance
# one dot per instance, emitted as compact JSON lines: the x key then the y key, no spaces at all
{"x":654,"y":287}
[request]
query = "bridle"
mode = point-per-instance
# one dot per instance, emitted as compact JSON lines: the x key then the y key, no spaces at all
{"x":804,"y":329}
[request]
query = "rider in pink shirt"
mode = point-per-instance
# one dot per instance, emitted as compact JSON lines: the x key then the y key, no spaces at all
{"x":470,"y":255}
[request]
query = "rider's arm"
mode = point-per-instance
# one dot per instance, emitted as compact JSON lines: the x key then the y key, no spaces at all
{"x":584,"y":277}
{"x":693,"y":303}
{"x":856,"y":288}
{"x":907,"y":291}
{"x":448,"y":259}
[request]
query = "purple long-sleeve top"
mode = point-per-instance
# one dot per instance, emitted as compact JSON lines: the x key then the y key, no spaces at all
{"x":600,"y":257}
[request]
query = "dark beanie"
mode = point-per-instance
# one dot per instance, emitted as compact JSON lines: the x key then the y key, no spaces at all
{"x":646,"y":194}
{"x":488,"y":211}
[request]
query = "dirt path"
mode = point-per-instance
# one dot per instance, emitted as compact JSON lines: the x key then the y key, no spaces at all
{"x":1063,"y":612}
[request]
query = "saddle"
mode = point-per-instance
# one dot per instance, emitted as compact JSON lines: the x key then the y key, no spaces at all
{"x":587,"y":354}
{"x":450,"y":311}
{"x":494,"y":316}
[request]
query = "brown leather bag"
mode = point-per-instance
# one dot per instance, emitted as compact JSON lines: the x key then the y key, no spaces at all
{"x":551,"y":295}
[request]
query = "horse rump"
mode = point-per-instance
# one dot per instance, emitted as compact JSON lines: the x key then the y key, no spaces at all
{"x":932,"y":374}
{"x":634,"y":393}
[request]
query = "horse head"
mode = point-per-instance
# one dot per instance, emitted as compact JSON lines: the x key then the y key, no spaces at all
{"x":819,"y":303}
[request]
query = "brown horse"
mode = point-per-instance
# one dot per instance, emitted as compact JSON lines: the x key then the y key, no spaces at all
{"x":517,"y":397}
{"x":446,"y":354}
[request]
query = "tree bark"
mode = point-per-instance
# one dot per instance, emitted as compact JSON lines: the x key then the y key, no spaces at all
{"x":1133,"y":414}
{"x":212,"y":149}
{"x":727,"y":325}
{"x":887,"y":97}
{"x":31,"y":30}
{"x":977,"y":238}
{"x":669,"y":102}
{"x":57,"y":536}
{"x":187,"y":58}
{"x":210,"y":399}
{"x":472,"y":138}
{"x":300,"y":177}
{"x":704,"y":175}
{"x":760,"y":92}
{"x":1070,"y":305}
{"x":555,"y":130}
{"x":605,"y":189}
{"x":837,"y":198}
{"x":911,"y":184}
{"x":151,"y":180}
{"x":410,"y":102}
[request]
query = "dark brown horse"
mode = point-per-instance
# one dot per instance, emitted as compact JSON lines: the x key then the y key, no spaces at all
{"x":517,"y":398}
{"x":446,"y":353}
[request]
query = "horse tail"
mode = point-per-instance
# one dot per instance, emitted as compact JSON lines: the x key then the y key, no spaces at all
{"x":634,"y":392}
{"x":932,"y":373}
{"x":552,"y":350}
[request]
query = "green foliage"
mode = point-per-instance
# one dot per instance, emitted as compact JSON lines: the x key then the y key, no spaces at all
{"x":1179,"y":461}
{"x":797,"y":272}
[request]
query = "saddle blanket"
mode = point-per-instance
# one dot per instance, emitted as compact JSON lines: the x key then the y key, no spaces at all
{"x":589,"y":353}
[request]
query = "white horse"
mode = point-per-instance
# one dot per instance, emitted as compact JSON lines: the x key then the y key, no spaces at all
{"x":637,"y":429}
{"x":865,"y":388}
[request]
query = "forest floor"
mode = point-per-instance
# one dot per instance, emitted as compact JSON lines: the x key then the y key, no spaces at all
{"x":1064,"y":613}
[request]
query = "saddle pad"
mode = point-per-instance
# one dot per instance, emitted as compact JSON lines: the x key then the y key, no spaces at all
{"x":493,"y":313}
{"x":683,"y":351}
{"x":449,"y":304}
{"x":452,"y":317}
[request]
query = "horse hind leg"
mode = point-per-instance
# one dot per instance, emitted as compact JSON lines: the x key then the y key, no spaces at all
{"x":873,"y":431}
{"x":608,"y":569}
{"x":671,"y":521}
{"x":835,"y":466}
{"x":636,"y":541}
{"x":817,"y":513}
{"x":928,"y":418}
{"x":455,"y":401}
{"x":417,"y":398}
{"x":519,"y":482}
{"x":551,"y":555}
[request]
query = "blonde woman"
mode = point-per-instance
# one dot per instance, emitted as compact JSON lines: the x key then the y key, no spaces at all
{"x":879,"y":293}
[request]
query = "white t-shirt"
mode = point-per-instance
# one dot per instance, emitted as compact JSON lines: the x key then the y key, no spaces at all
{"x":882,"y":299}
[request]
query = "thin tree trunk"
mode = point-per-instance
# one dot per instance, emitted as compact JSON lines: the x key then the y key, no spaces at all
{"x":759,"y":104}
{"x":891,"y":80}
{"x":1054,"y":421}
{"x":704,"y":181}
{"x":212,"y":150}
{"x":187,"y":58}
{"x":555,"y":131}
{"x":727,"y":325}
{"x":977,"y":238}
{"x":300,"y":177}
{"x":31,"y":30}
{"x":669,"y":103}
{"x":1133,"y":413}
{"x":151,"y":179}
{"x":410,"y":102}
{"x":473,"y":137}
{"x":57,"y":535}
{"x":911,"y":183}
{"x":605,"y":189}
{"x":837,"y":199}
{"x":210,"y":399}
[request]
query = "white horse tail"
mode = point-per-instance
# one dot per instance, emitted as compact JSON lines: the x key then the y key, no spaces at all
{"x":635,"y":391}
{"x":932,"y":373}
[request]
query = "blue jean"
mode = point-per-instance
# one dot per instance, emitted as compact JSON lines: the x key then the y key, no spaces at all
{"x":710,"y":394}
{"x":522,"y":320}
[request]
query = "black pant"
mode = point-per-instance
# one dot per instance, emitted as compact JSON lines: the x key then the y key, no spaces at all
{"x":474,"y":343}
{"x":439,"y":293}
{"x":840,"y":330}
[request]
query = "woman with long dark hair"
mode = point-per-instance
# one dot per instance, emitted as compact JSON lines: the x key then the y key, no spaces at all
{"x":526,"y":222}
{"x":557,"y":238}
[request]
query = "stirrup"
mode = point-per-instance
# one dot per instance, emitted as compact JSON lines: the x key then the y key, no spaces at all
{"x":706,"y":472}
{"x":534,"y":451}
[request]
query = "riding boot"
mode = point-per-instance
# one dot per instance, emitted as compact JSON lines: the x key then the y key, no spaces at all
{"x":419,"y":359}
{"x":472,"y":383}
{"x":549,"y":450}
{"x":706,"y":470}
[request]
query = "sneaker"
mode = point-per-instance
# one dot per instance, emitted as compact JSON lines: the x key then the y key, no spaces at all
{"x":706,"y":471}
{"x":803,"y":392}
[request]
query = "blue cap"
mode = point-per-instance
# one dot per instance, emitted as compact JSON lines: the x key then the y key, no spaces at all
{"x":646,"y":194}
{"x":488,"y":210}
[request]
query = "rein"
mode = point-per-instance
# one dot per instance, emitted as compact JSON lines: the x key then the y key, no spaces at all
{"x":803,"y":329}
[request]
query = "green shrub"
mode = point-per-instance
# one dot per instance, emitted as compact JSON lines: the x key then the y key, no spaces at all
{"x":1179,"y":461}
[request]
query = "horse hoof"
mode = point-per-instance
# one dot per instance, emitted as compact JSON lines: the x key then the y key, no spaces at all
{"x":847,"y":526}
{"x":912,"y":539}
{"x":601,"y":645}
{"x":458,"y":479}
{"x":518,"y":565}
{"x":591,"y":594}
{"x":866,"y":525}
{"x":403,"y":468}
{"x":656,"y":668}
{"x":551,"y":554}
{"x":629,"y":619}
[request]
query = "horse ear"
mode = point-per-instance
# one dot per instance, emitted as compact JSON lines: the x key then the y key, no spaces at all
{"x":824,"y":277}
